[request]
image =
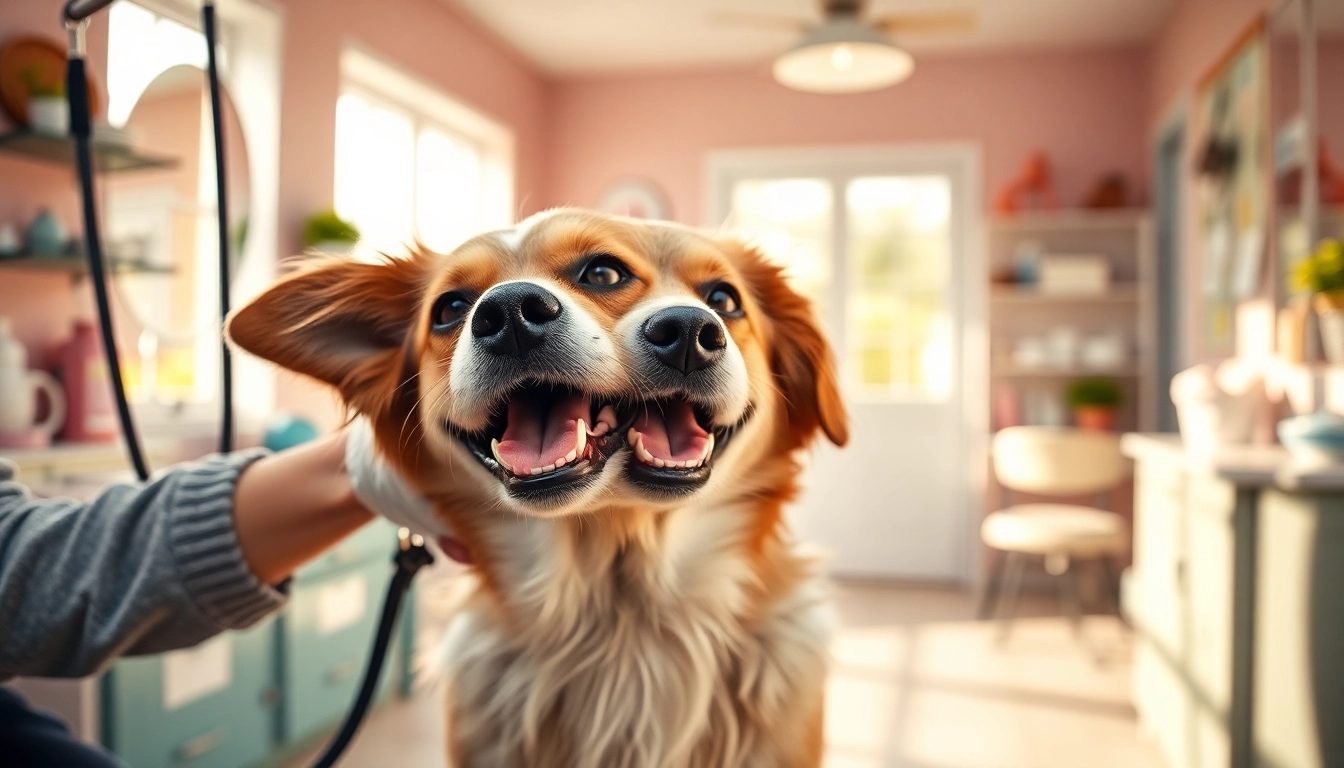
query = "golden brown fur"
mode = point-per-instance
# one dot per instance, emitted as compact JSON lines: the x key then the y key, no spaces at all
{"x":624,"y":632}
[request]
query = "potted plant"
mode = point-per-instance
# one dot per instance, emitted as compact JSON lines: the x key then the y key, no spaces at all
{"x":1094,"y":401}
{"x":1322,"y":274}
{"x":48,"y":111}
{"x":328,"y":233}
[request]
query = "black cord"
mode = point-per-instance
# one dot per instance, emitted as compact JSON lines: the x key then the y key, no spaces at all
{"x":80,"y":125}
{"x":222,"y":209}
{"x":408,"y":561}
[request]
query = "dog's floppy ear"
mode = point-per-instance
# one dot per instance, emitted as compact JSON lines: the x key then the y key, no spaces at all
{"x":801,"y":358}
{"x":343,"y":322}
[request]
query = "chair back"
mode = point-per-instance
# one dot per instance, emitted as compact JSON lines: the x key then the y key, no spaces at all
{"x":1054,"y":461}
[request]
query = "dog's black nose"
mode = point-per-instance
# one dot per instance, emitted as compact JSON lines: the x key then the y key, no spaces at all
{"x":685,"y":338}
{"x":512,"y":319}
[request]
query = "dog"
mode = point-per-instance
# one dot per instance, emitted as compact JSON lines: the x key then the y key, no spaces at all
{"x":607,"y":413}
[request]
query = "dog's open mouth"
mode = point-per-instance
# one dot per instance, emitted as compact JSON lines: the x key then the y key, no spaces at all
{"x":544,"y":437}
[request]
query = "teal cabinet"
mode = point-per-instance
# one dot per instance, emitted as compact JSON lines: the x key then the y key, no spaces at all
{"x":251,"y":698}
{"x":325,"y":639}
{"x":212,"y":706}
{"x":375,"y":541}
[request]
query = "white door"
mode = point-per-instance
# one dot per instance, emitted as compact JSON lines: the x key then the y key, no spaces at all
{"x":885,"y":241}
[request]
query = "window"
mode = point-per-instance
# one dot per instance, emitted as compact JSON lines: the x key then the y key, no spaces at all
{"x":413,"y":164}
{"x":894,"y":239}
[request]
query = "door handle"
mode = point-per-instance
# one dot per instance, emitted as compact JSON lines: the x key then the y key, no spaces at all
{"x":343,"y":671}
{"x":201,"y":745}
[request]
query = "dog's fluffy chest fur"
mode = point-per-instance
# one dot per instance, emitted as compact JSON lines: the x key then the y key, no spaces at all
{"x":656,"y":640}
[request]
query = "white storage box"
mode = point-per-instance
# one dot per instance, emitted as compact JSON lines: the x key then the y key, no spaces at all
{"x":1085,"y":274}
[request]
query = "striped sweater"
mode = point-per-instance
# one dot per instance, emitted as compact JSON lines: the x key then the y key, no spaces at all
{"x":143,"y":568}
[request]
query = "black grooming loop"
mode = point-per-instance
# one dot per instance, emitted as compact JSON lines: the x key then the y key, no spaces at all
{"x":411,"y":555}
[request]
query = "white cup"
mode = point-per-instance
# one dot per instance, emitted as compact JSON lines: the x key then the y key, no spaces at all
{"x":18,"y":402}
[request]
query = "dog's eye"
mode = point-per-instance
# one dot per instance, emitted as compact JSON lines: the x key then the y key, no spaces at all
{"x":723,"y":299}
{"x":604,"y":271}
{"x":449,"y":309}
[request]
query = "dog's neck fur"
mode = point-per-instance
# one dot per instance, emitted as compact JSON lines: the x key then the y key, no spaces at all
{"x":626,"y":628}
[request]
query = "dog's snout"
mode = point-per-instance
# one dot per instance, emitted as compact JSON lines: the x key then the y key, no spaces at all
{"x":513,"y":319}
{"x":685,"y":338}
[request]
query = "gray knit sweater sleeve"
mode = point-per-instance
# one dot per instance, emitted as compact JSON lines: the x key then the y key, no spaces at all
{"x":143,"y":568}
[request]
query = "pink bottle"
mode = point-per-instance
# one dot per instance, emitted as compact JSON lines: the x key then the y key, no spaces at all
{"x":91,"y":413}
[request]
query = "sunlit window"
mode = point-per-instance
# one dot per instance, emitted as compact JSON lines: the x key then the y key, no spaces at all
{"x":411,"y":164}
{"x":892,"y":325}
{"x":899,"y":249}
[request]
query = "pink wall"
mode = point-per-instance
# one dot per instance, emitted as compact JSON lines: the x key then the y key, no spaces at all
{"x":427,"y":38}
{"x":1190,"y":42}
{"x":1085,"y":108}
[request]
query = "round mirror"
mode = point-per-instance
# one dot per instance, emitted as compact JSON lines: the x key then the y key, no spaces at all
{"x":161,"y":230}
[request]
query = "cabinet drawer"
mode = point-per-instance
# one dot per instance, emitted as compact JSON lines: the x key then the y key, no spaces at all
{"x":1157,"y":577}
{"x":212,"y":706}
{"x":1209,"y":581}
{"x":327,"y":635}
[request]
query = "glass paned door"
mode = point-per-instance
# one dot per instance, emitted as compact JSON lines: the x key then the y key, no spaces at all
{"x":882,"y":244}
{"x":898,"y":253}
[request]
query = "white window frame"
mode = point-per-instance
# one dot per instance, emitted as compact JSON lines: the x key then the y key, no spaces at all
{"x":382,"y":84}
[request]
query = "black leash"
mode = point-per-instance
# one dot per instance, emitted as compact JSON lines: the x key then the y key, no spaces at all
{"x":410,"y":558}
{"x":81,"y":126}
{"x":412,"y":554}
{"x":222,"y":215}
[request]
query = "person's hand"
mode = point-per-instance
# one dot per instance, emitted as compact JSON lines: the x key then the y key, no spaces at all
{"x":381,"y":489}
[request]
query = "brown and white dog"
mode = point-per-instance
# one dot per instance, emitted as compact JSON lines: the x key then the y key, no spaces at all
{"x":606,"y":412}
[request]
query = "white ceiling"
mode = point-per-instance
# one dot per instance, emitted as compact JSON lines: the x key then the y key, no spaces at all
{"x":576,"y":37}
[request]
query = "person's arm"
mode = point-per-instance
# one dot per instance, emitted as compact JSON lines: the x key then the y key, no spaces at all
{"x":163,"y":565}
{"x":291,"y":507}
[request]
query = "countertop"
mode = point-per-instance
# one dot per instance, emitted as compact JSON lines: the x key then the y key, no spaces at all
{"x":1246,"y":466}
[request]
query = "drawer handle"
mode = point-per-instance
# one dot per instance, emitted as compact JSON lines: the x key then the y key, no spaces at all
{"x":343,"y":556}
{"x":343,"y":671}
{"x":201,"y":745}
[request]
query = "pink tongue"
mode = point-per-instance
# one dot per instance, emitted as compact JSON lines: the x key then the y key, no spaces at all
{"x":671,"y":432}
{"x":540,"y":433}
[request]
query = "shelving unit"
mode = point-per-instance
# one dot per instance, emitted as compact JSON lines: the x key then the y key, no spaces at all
{"x":77,"y":266}
{"x":1124,"y":237}
{"x":1120,"y":293}
{"x":60,"y":150}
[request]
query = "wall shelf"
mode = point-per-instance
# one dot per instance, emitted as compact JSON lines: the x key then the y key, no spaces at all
{"x":1119,"y":293}
{"x":74,"y":264}
{"x":60,"y":150}
{"x":1009,"y":371}
{"x":1125,"y":311}
{"x":1079,"y":219}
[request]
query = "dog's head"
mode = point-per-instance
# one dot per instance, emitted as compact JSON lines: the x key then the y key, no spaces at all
{"x":574,"y":362}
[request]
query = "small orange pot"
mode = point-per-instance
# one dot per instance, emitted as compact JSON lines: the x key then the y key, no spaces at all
{"x":1095,"y":418}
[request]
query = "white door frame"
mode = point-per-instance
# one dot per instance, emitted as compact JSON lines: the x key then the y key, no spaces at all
{"x":971,"y":285}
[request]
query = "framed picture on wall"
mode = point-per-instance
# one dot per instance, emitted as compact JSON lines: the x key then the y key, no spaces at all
{"x":636,"y":198}
{"x":1232,"y":192}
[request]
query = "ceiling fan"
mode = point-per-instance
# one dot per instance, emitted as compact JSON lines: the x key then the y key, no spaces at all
{"x":848,"y":53}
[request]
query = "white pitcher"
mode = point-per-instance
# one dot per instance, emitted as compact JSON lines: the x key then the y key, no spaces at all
{"x":19,"y":388}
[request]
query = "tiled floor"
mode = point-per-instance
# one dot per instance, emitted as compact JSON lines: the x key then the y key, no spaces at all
{"x":919,"y":683}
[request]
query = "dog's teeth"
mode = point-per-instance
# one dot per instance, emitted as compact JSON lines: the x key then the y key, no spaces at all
{"x":606,"y":420}
{"x":494,"y":449}
{"x":580,"y":439}
{"x":560,"y":462}
{"x":631,"y":436}
{"x":547,"y":469}
{"x":709,"y":448}
{"x":659,"y":462}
